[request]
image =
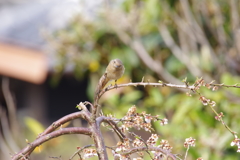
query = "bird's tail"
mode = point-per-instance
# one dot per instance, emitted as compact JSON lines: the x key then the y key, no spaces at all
{"x":101,"y":84}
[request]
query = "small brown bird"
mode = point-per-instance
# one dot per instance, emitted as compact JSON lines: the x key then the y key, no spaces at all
{"x":114,"y":71}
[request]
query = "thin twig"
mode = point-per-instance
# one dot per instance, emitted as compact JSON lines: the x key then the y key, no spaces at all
{"x":80,"y":150}
{"x":139,"y":137}
{"x":185,"y":157}
{"x":227,"y":86}
{"x":114,"y":126}
{"x":223,"y":123}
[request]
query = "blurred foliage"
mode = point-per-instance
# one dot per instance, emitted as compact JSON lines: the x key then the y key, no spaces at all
{"x":33,"y":125}
{"x":205,"y":39}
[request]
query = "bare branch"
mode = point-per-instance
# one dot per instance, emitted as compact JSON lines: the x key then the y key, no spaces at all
{"x":31,"y":146}
{"x":146,"y":84}
{"x":227,"y":86}
{"x":95,"y":108}
{"x":98,"y":141}
{"x":81,"y":114}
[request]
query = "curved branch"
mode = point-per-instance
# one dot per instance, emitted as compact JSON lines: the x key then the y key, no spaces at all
{"x":114,"y":126}
{"x":31,"y":146}
{"x":81,"y":114}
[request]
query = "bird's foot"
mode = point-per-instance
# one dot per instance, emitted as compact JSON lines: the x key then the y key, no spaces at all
{"x":116,"y":86}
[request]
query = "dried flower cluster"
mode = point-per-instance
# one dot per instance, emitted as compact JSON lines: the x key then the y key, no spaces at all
{"x":200,"y":82}
{"x":120,"y":156}
{"x":152,"y":140}
{"x":165,"y":145}
{"x":219,"y":116}
{"x":123,"y":146}
{"x":163,"y":121}
{"x":140,"y":120}
{"x":236,"y":142}
{"x":206,"y":101}
{"x":137,"y":143}
{"x":89,"y":152}
{"x":189,"y":142}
